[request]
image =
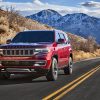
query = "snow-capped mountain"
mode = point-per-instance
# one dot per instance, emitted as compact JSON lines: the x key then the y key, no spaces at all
{"x":48,"y":17}
{"x":78,"y":23}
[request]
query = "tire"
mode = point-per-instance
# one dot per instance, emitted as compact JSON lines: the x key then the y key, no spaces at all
{"x":52,"y":75}
{"x":69,"y":69}
{"x":4,"y":76}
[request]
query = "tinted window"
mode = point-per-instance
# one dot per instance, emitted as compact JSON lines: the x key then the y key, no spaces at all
{"x":34,"y":36}
{"x":57,"y":37}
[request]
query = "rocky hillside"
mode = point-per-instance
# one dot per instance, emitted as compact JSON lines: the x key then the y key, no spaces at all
{"x":12,"y":22}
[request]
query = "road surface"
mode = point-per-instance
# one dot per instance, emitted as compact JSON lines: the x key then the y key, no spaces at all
{"x":83,"y":84}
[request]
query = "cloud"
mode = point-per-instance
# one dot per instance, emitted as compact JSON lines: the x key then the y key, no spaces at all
{"x":1,"y":0}
{"x":91,"y":4}
{"x":38,"y":2}
{"x":37,"y":5}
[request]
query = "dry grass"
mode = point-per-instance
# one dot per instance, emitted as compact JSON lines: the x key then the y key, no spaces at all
{"x":4,"y":25}
{"x":97,"y":52}
{"x":80,"y":55}
{"x":3,"y":29}
{"x":12,"y":22}
{"x":6,"y":31}
{"x":3,"y":20}
{"x":34,"y":25}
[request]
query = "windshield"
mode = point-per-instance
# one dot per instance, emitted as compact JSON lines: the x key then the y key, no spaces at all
{"x":34,"y":37}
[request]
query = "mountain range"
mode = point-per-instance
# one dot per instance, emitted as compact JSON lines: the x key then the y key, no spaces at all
{"x":77,"y":23}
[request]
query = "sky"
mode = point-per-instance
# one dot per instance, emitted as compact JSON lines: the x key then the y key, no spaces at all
{"x":27,"y":7}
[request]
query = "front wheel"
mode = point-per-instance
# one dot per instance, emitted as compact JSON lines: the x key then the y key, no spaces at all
{"x":68,"y":69}
{"x":52,"y":75}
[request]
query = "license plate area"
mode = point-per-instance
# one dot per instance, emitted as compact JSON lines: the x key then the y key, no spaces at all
{"x":17,"y":63}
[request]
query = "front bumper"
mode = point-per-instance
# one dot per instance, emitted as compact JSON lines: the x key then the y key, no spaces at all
{"x":25,"y":63}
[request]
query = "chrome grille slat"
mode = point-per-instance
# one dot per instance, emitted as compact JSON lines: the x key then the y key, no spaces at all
{"x":18,"y":52}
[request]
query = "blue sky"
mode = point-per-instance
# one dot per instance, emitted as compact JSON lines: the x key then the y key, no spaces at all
{"x":89,"y":7}
{"x":59,"y":2}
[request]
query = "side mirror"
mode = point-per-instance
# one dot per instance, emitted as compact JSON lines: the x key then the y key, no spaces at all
{"x":8,"y":41}
{"x":61,"y":41}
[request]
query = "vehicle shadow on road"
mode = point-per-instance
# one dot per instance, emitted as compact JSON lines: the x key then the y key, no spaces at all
{"x":20,"y":79}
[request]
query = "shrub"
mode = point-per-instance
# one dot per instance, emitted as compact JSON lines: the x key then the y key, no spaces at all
{"x":4,"y":21}
{"x":3,"y":29}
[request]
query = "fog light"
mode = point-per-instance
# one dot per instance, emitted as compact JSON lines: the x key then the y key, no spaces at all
{"x":2,"y":69}
{"x":39,"y":63}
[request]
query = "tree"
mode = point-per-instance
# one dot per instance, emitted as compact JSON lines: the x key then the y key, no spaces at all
{"x":91,"y":44}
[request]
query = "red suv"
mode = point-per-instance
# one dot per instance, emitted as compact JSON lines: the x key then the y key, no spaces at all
{"x":43,"y":52}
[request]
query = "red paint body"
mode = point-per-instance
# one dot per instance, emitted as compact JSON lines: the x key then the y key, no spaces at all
{"x":62,"y":52}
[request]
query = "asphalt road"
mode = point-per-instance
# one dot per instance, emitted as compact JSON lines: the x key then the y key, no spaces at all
{"x":86,"y":88}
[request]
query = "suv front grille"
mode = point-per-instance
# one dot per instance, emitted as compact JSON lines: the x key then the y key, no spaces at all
{"x":25,"y":52}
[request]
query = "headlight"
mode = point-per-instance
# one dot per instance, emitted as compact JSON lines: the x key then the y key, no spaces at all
{"x":41,"y":50}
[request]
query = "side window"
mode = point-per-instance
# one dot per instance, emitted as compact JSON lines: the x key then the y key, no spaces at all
{"x":57,"y":36}
{"x":62,"y":36}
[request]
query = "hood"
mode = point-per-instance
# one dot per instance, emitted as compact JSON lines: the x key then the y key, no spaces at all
{"x":25,"y":45}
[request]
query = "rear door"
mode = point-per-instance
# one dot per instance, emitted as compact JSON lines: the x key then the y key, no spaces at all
{"x":63,"y":46}
{"x":66,"y":49}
